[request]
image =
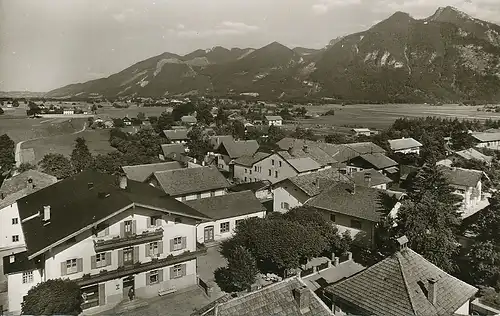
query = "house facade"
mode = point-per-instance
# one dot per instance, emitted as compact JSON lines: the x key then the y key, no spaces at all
{"x":11,"y":233}
{"x":487,"y":140}
{"x":467,"y":184}
{"x":274,"y":120}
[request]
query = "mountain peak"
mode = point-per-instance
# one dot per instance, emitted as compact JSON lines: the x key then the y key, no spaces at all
{"x":399,"y":20}
{"x":448,"y":14}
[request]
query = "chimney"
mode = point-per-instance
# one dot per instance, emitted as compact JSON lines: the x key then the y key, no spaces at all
{"x":403,"y":242}
{"x":368,"y":179}
{"x":303,"y":298}
{"x":122,"y":181}
{"x":30,"y":184}
{"x":432,"y":291}
{"x":2,"y":195}
{"x":46,"y":213}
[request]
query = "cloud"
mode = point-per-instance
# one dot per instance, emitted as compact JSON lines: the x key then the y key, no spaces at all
{"x":221,"y":29}
{"x":323,"y":6}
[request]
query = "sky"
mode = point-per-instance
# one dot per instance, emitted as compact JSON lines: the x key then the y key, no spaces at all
{"x":46,"y":44}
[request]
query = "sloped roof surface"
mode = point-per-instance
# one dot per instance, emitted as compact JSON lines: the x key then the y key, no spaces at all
{"x":176,"y":134}
{"x":314,"y":183}
{"x":20,"y":181}
{"x":249,"y":161}
{"x":236,"y":149}
{"x":460,"y":176}
{"x":403,"y":143}
{"x":376,"y":178}
{"x":486,"y":137}
{"x":142,"y":172}
{"x":379,"y":161}
{"x":173,"y":148}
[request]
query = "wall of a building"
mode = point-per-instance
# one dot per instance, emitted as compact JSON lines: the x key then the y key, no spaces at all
{"x":413,"y":150}
{"x":201,"y":195}
{"x":343,"y":223}
{"x":464,"y":309}
{"x":17,"y":290}
{"x":8,"y":230}
{"x":262,"y":171}
{"x":495,"y":145}
{"x":289,"y":193}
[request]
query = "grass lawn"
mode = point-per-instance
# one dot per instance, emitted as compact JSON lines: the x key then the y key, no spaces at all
{"x":97,"y":141}
{"x":107,"y":111}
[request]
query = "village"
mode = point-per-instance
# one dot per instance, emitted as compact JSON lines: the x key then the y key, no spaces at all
{"x":205,"y":212}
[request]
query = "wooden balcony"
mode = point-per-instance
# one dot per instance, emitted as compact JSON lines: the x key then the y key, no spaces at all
{"x":121,"y":242}
{"x":123,"y":271}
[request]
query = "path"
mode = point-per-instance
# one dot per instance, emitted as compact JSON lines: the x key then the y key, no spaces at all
{"x":18,"y":145}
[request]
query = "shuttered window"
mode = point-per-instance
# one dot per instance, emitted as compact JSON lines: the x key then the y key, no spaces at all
{"x":71,"y":266}
{"x":178,"y":271}
{"x":154,"y":277}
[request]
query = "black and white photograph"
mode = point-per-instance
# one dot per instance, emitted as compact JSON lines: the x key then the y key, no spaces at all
{"x":250,"y":157}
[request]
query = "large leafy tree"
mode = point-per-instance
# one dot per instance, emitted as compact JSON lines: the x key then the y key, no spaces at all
{"x":81,"y":158}
{"x":221,"y":117}
{"x":240,"y":273}
{"x":238,"y":130}
{"x":165,"y":121}
{"x":7,"y":157}
{"x":198,"y":144}
{"x":204,"y":115}
{"x":109,"y":163}
{"x":57,"y":165}
{"x":53,"y":297}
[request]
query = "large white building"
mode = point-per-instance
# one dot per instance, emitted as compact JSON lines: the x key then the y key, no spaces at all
{"x":405,"y":146}
{"x":109,"y":235}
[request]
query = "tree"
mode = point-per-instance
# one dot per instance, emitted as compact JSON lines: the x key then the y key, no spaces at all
{"x":165,"y":121}
{"x":118,"y":122}
{"x":337,"y":138}
{"x":238,"y":130}
{"x":53,"y":297}
{"x":275,"y":134}
{"x":204,"y":115}
{"x":25,"y":166}
{"x":141,"y":116}
{"x":240,"y":272}
{"x":56,"y":165}
{"x":81,"y":158}
{"x":221,"y":118}
{"x":181,"y":110}
{"x":303,"y":133}
{"x":109,"y":163}
{"x":198,"y":145}
{"x":33,"y":109}
{"x":484,"y":262}
{"x":7,"y":156}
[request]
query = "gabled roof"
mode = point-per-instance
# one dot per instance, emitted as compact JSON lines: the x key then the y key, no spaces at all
{"x":74,"y":207}
{"x":20,"y":181}
{"x":314,"y":183}
{"x":142,"y":172}
{"x":398,"y":285}
{"x":191,"y":180}
{"x":460,"y":176}
{"x":188,"y":119}
{"x":236,"y":149}
{"x":252,"y":186}
{"x":173,"y":148}
{"x":379,"y":161}
{"x":361,"y":202}
{"x":274,"y":118}
{"x":300,"y":148}
{"x":365,"y":148}
{"x":176,"y":134}
{"x":249,"y":161}
{"x":276,"y":299}
{"x":217,"y":140}
{"x":404,"y":143}
{"x":376,"y":178}
{"x":228,"y":205}
{"x":303,"y":164}
{"x":486,"y":137}
{"x":472,"y":154}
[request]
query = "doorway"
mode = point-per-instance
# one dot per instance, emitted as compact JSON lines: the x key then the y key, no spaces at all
{"x":209,"y":234}
{"x":128,"y":283}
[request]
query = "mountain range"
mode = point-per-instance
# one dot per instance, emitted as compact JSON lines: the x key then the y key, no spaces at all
{"x":449,"y":56}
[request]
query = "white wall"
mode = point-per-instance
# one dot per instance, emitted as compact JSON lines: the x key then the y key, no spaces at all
{"x":275,"y":123}
{"x":464,"y":309}
{"x":7,"y":229}
{"x":413,"y":150}
{"x":495,"y":145}
{"x":17,"y":289}
{"x":205,"y":194}
{"x":289,"y":193}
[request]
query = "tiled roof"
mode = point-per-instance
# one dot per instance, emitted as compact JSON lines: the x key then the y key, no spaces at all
{"x":486,"y":137}
{"x":398,"y":286}
{"x":20,"y":181}
{"x":191,"y":180}
{"x":379,"y":161}
{"x":361,"y":202}
{"x":361,"y":129}
{"x":249,"y":161}
{"x":304,"y":164}
{"x":314,"y":183}
{"x":404,"y":143}
{"x":473,"y":154}
{"x":188,"y":119}
{"x":173,"y":148}
{"x":252,"y":186}
{"x":21,"y":263}
{"x":217,"y":140}
{"x":273,"y":118}
{"x":73,"y":206}
{"x":142,"y":172}
{"x":300,"y":148}
{"x":376,"y":178}
{"x":276,"y":300}
{"x":460,"y":176}
{"x":365,"y":148}
{"x":236,"y":149}
{"x":12,"y":198}
{"x":176,"y":134}
{"x":228,"y":205}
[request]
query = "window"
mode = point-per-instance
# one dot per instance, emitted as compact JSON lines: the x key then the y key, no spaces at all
{"x":103,"y":230}
{"x":285,"y":205}
{"x":100,"y":260}
{"x":128,"y":256}
{"x":153,"y":248}
{"x":15,"y":238}
{"x":154,"y":221}
{"x":183,"y":199}
{"x":176,"y":271}
{"x":250,"y":171}
{"x":28,"y":277}
{"x":280,"y":163}
{"x":246,"y":170}
{"x":270,"y":172}
{"x":15,"y":221}
{"x":153,"y":277}
{"x":255,"y":168}
{"x":245,"y":179}
{"x":71,"y":266}
{"x":276,"y":174}
{"x":332,"y":217}
{"x":128,"y":227}
{"x":238,"y":221}
{"x":355,"y":224}
{"x":177,"y":243}
{"x":272,"y":162}
{"x":224,"y":227}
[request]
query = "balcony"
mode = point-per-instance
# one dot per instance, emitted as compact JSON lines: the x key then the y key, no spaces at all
{"x":121,"y":242}
{"x":123,"y":271}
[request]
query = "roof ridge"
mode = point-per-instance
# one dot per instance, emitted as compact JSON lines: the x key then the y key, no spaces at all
{"x":405,"y":282}
{"x":151,"y":164}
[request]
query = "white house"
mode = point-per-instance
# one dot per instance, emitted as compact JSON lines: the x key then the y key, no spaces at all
{"x":107,"y":234}
{"x":226,"y":212}
{"x":275,"y":120}
{"x":177,"y":136}
{"x":69,"y":111}
{"x":405,"y":146}
{"x":487,"y":140}
{"x":361,"y":131}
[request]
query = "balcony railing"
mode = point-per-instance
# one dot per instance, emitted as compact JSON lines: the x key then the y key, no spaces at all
{"x":121,"y":242}
{"x":123,"y":271}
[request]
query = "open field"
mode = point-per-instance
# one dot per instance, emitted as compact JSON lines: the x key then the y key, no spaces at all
{"x":107,"y":111}
{"x":97,"y":141}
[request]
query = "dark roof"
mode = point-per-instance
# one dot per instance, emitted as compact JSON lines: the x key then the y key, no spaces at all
{"x":378,"y":160}
{"x":21,"y":263}
{"x":191,"y":180}
{"x":301,"y":164}
{"x":228,"y":205}
{"x":217,"y":140}
{"x":173,"y":148}
{"x":362,"y":202}
{"x":188,"y":119}
{"x":274,"y":118}
{"x":142,"y":172}
{"x":473,"y":154}
{"x":73,"y":206}
{"x":20,"y":181}
{"x":236,"y":149}
{"x":276,"y":299}
{"x":404,"y":143}
{"x":176,"y":134}
{"x":249,"y":161}
{"x":460,"y":176}
{"x":314,"y":183}
{"x":300,"y":148}
{"x":376,"y":178}
{"x":398,"y":285}
{"x":253,"y":186}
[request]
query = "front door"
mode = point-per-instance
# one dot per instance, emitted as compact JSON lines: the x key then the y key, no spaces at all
{"x":128,"y":284}
{"x":209,"y":233}
{"x":128,"y":256}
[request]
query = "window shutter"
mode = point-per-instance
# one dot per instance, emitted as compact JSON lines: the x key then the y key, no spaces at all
{"x":160,"y":247}
{"x":149,"y":222}
{"x":108,"y":258}
{"x":79,"y":264}
{"x":106,"y":231}
{"x":158,"y":222}
{"x":147,"y":250}
{"x":122,"y":229}
{"x":63,"y":268}
{"x":134,"y":226}
{"x":120,"y":258}
{"x":171,"y":245}
{"x":136,"y":254}
{"x":172,"y":273}
{"x":148,"y":278}
{"x":183,"y":242}
{"x":160,"y":275}
{"x":212,"y":193}
{"x":183,"y":269}
{"x":93,"y":263}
